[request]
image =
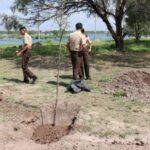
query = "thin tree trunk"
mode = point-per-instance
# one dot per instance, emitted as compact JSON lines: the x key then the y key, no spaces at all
{"x":58,"y":75}
{"x":57,"y":86}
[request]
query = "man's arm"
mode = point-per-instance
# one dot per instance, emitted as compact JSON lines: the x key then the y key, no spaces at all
{"x":83,"y":42}
{"x":83,"y":46}
{"x":68,"y":46}
{"x":91,"y":46}
{"x":22,"y":50}
{"x":90,"y":43}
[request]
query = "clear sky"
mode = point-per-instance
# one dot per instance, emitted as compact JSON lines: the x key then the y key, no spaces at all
{"x":88,"y":22}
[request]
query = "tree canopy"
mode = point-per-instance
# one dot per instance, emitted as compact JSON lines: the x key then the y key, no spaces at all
{"x":138,"y":20}
{"x":10,"y":22}
{"x":43,"y":10}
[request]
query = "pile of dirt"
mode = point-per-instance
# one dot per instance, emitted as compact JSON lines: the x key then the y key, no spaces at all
{"x":48,"y":134}
{"x":136,"y":85}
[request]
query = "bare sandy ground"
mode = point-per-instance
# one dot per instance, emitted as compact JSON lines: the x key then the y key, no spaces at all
{"x":20,"y":140}
{"x":104,"y":122}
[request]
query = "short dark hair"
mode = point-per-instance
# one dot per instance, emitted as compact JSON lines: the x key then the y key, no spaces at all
{"x":22,"y":28}
{"x":79,"y":26}
{"x":83,"y":31}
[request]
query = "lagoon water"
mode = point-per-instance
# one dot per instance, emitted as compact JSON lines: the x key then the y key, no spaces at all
{"x":14,"y":41}
{"x":102,"y":37}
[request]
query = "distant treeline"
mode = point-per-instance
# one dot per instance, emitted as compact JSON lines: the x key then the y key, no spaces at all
{"x":46,"y":32}
{"x":43,"y":34}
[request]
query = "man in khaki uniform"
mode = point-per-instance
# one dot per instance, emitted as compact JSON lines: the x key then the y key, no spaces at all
{"x":86,"y":57}
{"x":75,"y":45}
{"x":25,"y":52}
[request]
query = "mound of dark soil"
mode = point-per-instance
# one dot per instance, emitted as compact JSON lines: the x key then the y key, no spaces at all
{"x":65,"y":119}
{"x":48,"y":134}
{"x":136,"y":84}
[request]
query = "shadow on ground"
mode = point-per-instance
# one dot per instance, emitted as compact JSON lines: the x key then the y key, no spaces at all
{"x":61,"y":83}
{"x":133,"y":60}
{"x":66,"y":77}
{"x":13,"y":80}
{"x":47,"y":62}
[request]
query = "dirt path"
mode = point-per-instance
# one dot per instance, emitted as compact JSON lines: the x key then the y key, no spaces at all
{"x":105,"y":121}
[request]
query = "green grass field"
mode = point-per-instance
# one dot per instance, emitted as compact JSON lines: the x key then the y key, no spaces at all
{"x":50,"y":49}
{"x":130,"y":46}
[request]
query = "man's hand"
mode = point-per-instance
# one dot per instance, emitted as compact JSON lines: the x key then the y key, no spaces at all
{"x":18,"y":53}
{"x":21,"y":51}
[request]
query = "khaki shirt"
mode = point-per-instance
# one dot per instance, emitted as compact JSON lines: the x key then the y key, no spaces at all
{"x":27,"y":39}
{"x":76,"y":40}
{"x":87,"y":40}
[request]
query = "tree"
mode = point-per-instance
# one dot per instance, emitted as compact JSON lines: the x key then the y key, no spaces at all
{"x":146,"y":31}
{"x":10,"y":22}
{"x":136,"y":21}
{"x":55,"y":33}
{"x":61,"y":21}
{"x":104,"y":9}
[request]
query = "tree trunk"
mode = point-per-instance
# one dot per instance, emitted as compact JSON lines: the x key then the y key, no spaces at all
{"x":138,"y":36}
{"x":119,"y":33}
{"x":103,"y":14}
{"x":119,"y":40}
{"x":119,"y":44}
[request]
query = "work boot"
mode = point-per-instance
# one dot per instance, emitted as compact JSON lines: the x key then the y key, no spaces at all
{"x":81,"y":77}
{"x":26,"y":81}
{"x":34,"y":79}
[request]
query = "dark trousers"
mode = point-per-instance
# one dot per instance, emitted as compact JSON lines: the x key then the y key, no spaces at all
{"x":25,"y":64}
{"x":85,"y":67}
{"x":76,"y":58}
